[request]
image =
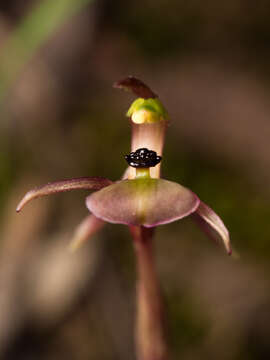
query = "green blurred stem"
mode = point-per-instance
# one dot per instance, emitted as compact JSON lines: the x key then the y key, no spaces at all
{"x":42,"y":21}
{"x":150,"y":330}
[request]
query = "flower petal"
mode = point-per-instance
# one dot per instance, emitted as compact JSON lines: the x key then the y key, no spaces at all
{"x":87,"y":183}
{"x":209,"y":220}
{"x":147,"y":202}
{"x":88,"y":227}
{"x":136,"y":86}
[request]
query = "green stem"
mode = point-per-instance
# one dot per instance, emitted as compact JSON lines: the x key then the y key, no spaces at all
{"x":150,"y":330}
{"x":42,"y":21}
{"x":143,"y":173}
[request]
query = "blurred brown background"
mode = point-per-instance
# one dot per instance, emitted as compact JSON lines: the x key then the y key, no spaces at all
{"x":60,"y":118}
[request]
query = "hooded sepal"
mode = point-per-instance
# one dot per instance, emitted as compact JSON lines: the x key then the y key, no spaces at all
{"x":143,"y":202}
{"x":136,"y":86}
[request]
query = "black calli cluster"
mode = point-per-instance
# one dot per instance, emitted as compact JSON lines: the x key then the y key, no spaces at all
{"x":143,"y":158}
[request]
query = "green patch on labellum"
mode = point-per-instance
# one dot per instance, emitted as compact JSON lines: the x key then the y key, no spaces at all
{"x":147,"y":202}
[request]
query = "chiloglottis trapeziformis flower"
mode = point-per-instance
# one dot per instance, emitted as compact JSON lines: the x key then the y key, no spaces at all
{"x":143,"y":201}
{"x":141,"y":198}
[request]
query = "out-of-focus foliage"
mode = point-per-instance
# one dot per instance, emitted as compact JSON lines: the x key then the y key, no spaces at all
{"x":34,"y":29}
{"x":60,"y":118}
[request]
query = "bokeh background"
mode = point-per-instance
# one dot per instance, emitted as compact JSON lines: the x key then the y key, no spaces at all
{"x":61,"y":118}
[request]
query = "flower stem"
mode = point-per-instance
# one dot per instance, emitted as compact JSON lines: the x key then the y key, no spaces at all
{"x":150,"y":330}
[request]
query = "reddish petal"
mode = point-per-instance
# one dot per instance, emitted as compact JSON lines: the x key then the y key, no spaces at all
{"x":136,"y":86}
{"x":87,"y":183}
{"x":87,"y":228}
{"x":209,"y":221}
{"x":147,"y":202}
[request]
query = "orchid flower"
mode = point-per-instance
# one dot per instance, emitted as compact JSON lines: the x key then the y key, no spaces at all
{"x":142,"y":200}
